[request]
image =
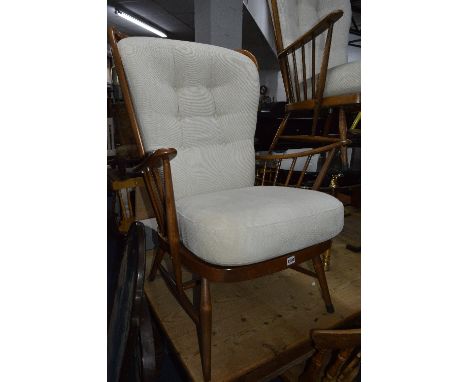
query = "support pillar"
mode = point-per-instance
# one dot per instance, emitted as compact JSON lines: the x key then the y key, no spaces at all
{"x":219,"y":22}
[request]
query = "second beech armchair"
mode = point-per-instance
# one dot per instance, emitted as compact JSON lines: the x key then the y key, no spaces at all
{"x":311,"y":39}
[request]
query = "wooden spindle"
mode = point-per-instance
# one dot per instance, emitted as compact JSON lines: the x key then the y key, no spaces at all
{"x":291,"y":169}
{"x":296,"y":79}
{"x":159,"y":195}
{"x":264,"y":173}
{"x":335,"y":367}
{"x":279,"y":132}
{"x":288,"y":70}
{"x":278,"y":162}
{"x":324,"y":169}
{"x":313,"y":69}
{"x":304,"y":170}
{"x":322,"y":78}
{"x":158,"y":212}
{"x":304,"y":73}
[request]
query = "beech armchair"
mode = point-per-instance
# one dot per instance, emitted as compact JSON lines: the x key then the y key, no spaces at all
{"x":311,"y":40}
{"x":193,"y":110}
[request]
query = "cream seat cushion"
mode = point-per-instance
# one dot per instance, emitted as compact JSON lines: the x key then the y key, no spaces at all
{"x":248,"y":225}
{"x":341,"y":80}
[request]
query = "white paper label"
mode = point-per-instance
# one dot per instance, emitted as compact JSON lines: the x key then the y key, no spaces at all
{"x":290,"y":260}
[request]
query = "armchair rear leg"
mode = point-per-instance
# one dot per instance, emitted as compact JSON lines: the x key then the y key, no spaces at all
{"x":318,"y":266}
{"x":204,"y":329}
{"x":343,"y":132}
{"x":156,"y":262}
{"x":326,"y":256}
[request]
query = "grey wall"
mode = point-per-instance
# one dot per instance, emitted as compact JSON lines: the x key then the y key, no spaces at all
{"x":219,"y":22}
{"x":260,"y":12}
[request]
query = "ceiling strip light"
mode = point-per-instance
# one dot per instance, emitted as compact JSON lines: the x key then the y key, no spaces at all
{"x":140,"y":23}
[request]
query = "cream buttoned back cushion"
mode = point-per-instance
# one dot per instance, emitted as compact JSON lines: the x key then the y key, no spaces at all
{"x":202,"y":100}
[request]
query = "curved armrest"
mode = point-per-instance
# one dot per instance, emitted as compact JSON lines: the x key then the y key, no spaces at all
{"x":316,"y":30}
{"x":306,"y":153}
{"x":153,"y":157}
{"x":268,"y":174}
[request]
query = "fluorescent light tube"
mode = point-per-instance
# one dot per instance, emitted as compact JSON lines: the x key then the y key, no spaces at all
{"x":140,"y":23}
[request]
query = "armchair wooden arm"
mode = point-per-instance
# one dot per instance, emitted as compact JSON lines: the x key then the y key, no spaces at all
{"x":151,"y":159}
{"x":268,"y":174}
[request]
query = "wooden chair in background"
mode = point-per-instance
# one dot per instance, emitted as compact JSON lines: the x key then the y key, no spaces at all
{"x":338,"y":354}
{"x":193,"y":110}
{"x":314,"y":67}
{"x":124,"y":204}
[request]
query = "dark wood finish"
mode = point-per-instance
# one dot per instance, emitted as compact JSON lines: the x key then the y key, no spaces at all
{"x":348,"y":99}
{"x":337,"y":355}
{"x":313,"y":69}
{"x":343,"y":129}
{"x":279,"y":132}
{"x":323,"y":171}
{"x":123,"y":189}
{"x":156,"y":170}
{"x":304,"y":72}
{"x":310,"y":138}
{"x":248,"y":272}
{"x":322,"y":77}
{"x":204,"y":329}
{"x":320,"y":272}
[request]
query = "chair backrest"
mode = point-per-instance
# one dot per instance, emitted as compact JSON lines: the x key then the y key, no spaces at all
{"x":296,"y":17}
{"x":199,"y":99}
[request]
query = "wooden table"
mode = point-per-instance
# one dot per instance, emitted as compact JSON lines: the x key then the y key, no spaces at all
{"x":261,"y":327}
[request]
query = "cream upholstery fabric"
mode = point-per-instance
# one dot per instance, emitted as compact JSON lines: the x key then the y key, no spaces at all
{"x":201,"y":100}
{"x":248,"y":225}
{"x":342,"y":79}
